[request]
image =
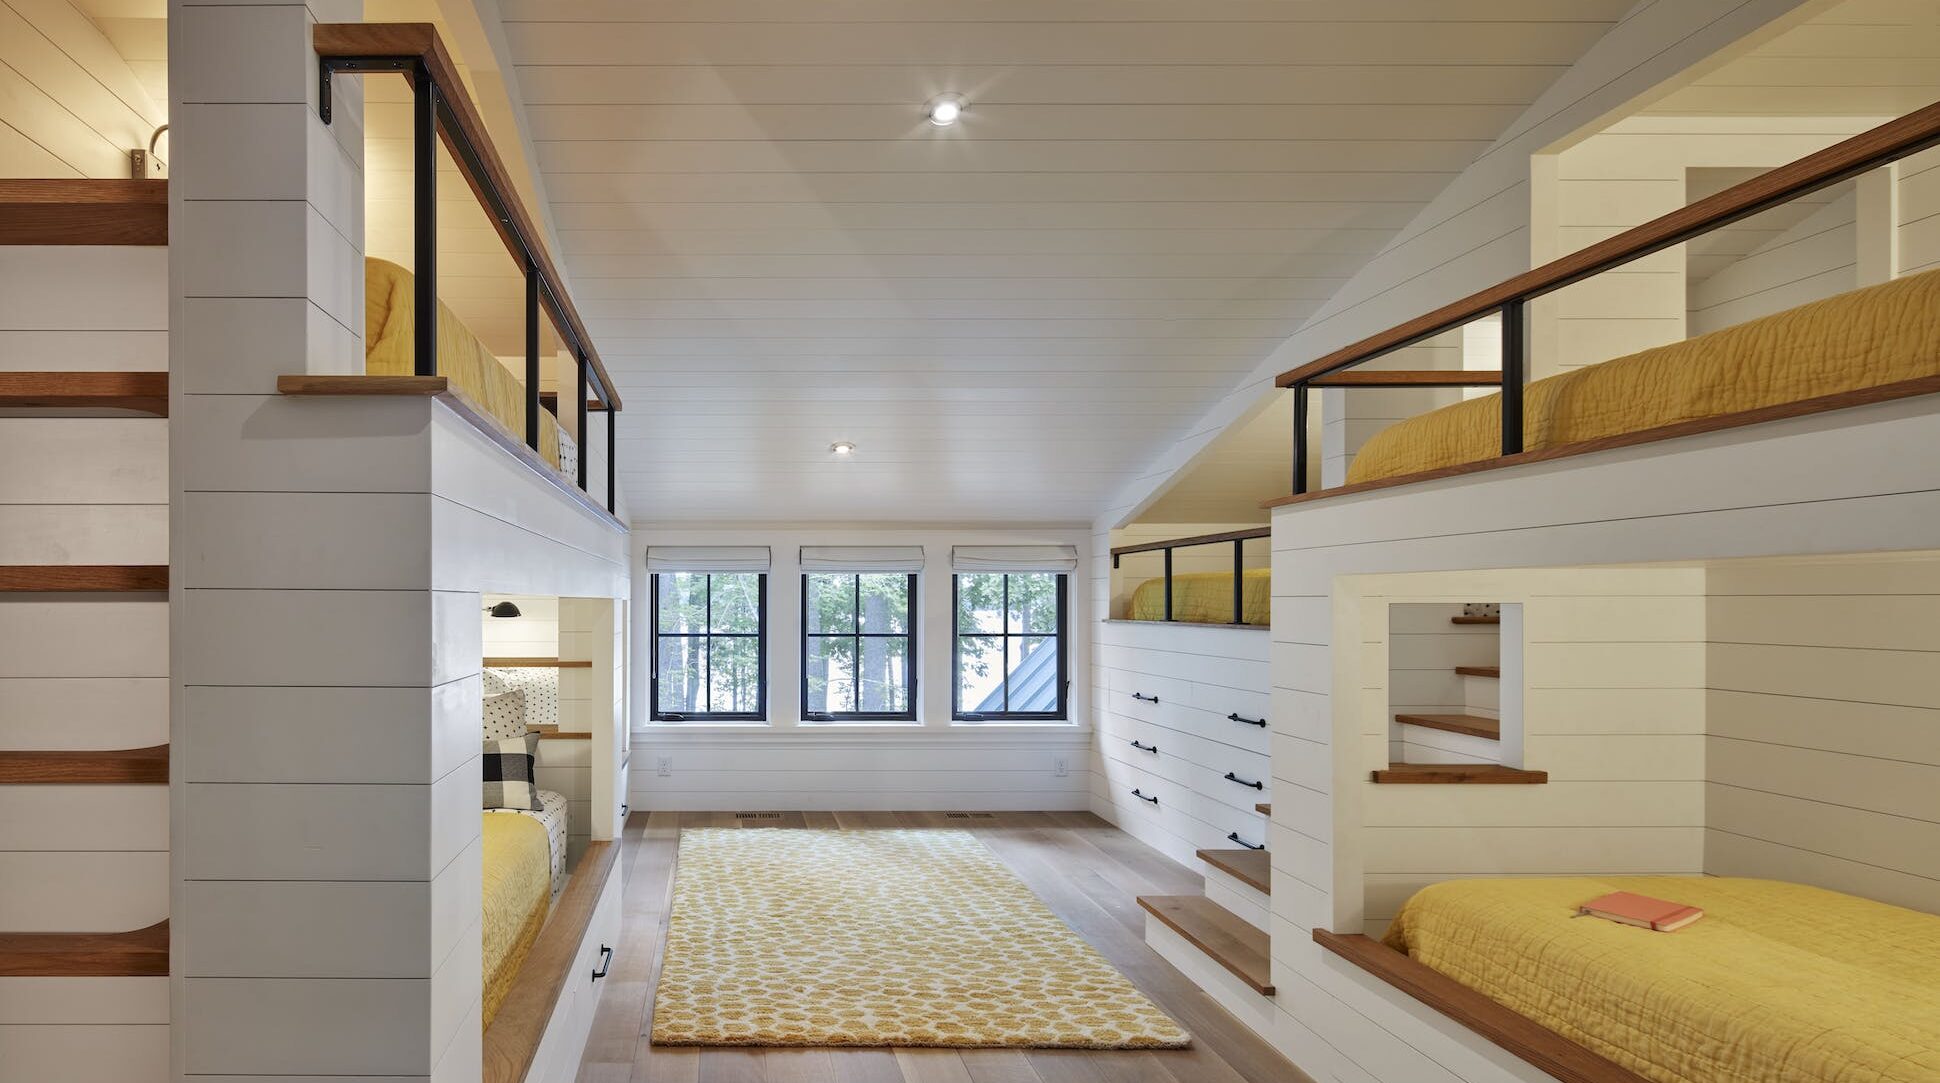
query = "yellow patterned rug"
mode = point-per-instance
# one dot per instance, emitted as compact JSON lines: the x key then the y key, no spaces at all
{"x":880,"y":938}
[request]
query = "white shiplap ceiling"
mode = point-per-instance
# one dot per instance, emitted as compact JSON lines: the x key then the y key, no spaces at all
{"x":1011,"y":317}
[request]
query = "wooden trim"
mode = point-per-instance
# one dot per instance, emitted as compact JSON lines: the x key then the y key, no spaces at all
{"x":538,"y":663}
{"x":1225,"y":938}
{"x":78,"y":211}
{"x":1197,"y":539}
{"x":1250,"y":867}
{"x":439,"y":387}
{"x":1494,"y":672}
{"x":126,"y":766}
{"x":58,"y":578}
{"x":1841,"y":400}
{"x":1541,"y":1047}
{"x":138,"y":953}
{"x":1485,"y":619}
{"x":555,"y":735}
{"x":1472,"y":725}
{"x":420,"y":41}
{"x":1264,"y":808}
{"x":1455,"y":774}
{"x":143,"y":391}
{"x":513,"y":1037}
{"x":1410,"y":378}
{"x":1890,"y":141}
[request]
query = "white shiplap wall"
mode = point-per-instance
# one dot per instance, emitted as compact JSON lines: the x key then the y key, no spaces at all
{"x":1812,"y":260}
{"x":69,"y":104}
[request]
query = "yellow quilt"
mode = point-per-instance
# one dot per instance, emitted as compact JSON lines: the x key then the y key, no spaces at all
{"x":1777,"y":981}
{"x":518,"y":890}
{"x":1878,"y":335}
{"x":477,"y":374}
{"x":1205,"y":597}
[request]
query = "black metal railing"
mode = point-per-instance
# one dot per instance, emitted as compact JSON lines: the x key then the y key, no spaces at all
{"x":440,"y":111}
{"x":1235,"y":538}
{"x":1842,"y":161}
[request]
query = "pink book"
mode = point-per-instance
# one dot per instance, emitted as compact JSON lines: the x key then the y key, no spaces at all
{"x":1641,"y":911}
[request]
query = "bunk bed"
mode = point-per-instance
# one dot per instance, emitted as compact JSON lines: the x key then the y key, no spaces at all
{"x":517,"y":888}
{"x":1205,"y":598}
{"x":1776,"y":981}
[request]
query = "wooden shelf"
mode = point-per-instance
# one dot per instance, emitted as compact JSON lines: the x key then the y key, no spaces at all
{"x":1492,"y":672}
{"x":1471,"y":774}
{"x":143,"y":391}
{"x":1410,"y":378}
{"x":139,"y":953}
{"x":58,"y":578}
{"x":513,"y":1038}
{"x":1228,"y":939}
{"x":1264,"y":808}
{"x":1472,"y":725}
{"x":1475,"y":620}
{"x":538,"y":663}
{"x":125,"y":766}
{"x":78,"y":211}
{"x":1250,"y":867}
{"x":1542,"y":1048}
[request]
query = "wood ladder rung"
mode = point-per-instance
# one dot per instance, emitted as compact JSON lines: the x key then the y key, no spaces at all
{"x":1250,"y":867}
{"x":1227,"y":938}
{"x":137,"y":953}
{"x":83,"y":211}
{"x":128,"y":766}
{"x":1458,"y":774}
{"x":1489,"y":729}
{"x":143,"y":391}
{"x":1493,"y":672}
{"x":63,"y":578}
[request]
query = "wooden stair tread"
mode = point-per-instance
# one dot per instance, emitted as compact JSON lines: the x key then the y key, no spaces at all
{"x":74,"y":765}
{"x":1480,"y":671}
{"x":83,"y":211}
{"x":1459,"y":773}
{"x":1251,"y":867}
{"x":1475,"y":620}
{"x":1472,"y":725}
{"x":138,"y":953}
{"x":1264,"y":808}
{"x":1227,"y":938}
{"x":144,"y":391}
{"x":57,"y":578}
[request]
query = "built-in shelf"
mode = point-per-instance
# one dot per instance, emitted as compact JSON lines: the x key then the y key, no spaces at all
{"x":138,"y":953}
{"x":1458,"y":774}
{"x":1225,"y":937}
{"x":1250,"y":867}
{"x":1495,"y":619}
{"x":61,"y":578}
{"x":75,"y":765}
{"x":1472,"y":725}
{"x":538,"y":663}
{"x":1491,"y":672}
{"x":84,"y":211}
{"x":146,"y":392}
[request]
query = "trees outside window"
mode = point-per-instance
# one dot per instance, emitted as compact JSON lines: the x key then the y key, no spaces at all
{"x":1009,"y":654}
{"x":858,"y":647}
{"x":710,"y":646}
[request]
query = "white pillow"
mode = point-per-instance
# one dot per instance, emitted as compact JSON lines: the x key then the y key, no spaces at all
{"x":505,"y":715}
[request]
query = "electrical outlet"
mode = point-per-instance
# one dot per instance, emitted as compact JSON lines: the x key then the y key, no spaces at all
{"x":665,"y":766}
{"x":1061,"y":765}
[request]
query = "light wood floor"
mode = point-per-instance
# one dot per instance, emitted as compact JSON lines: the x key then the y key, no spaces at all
{"x":1087,"y":871}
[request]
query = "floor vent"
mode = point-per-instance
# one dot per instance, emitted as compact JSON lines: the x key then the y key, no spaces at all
{"x":970,"y":815}
{"x":757,"y":815}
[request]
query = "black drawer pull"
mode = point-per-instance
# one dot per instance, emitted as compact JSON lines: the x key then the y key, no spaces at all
{"x":1146,"y":698}
{"x":606,"y":962}
{"x":1142,"y":797}
{"x":1236,"y":717}
{"x":1234,"y":835}
{"x":1231,"y":777}
{"x":1144,"y":748}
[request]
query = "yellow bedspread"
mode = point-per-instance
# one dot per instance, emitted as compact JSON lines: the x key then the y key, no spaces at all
{"x":518,"y":889}
{"x":1777,"y":981}
{"x":1878,"y":335}
{"x":1205,"y":597}
{"x":478,"y":375}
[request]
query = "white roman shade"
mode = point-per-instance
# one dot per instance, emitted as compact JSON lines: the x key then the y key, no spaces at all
{"x":864,"y":559}
{"x":1014,"y":558}
{"x":708,"y":558}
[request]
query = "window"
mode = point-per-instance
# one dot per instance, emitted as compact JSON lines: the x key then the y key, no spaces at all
{"x":1009,"y":652}
{"x":710,"y":646}
{"x":858,"y":647}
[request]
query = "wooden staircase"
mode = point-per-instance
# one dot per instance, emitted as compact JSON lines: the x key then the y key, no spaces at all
{"x":1226,"y":926}
{"x":68,"y":213}
{"x":1236,"y":946}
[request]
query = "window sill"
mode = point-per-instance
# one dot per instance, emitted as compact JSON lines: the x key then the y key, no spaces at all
{"x":985,"y":733}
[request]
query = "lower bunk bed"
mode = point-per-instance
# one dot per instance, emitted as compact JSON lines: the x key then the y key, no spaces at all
{"x":1778,"y":981}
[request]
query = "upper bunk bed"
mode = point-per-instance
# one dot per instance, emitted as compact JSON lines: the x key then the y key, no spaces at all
{"x":1868,"y":346}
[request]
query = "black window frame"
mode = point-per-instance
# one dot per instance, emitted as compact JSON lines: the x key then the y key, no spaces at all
{"x":759,"y":635}
{"x":910,"y":659}
{"x":1063,"y":711}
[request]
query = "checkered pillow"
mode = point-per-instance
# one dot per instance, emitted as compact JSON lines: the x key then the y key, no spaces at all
{"x":508,"y":773}
{"x":505,"y":715}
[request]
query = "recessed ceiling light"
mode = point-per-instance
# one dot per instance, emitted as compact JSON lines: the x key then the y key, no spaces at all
{"x":945,"y":110}
{"x":841,"y":449}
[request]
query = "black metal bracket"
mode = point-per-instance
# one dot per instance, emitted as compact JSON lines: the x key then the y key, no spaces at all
{"x":1231,"y":777}
{"x":328,"y":66}
{"x":1236,"y":717}
{"x":1234,"y":835}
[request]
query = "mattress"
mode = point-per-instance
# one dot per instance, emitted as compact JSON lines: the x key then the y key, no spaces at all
{"x":517,"y":882}
{"x":1205,"y":597}
{"x":1777,"y":981}
{"x":474,"y":371}
{"x":552,"y":816}
{"x":1878,"y":335}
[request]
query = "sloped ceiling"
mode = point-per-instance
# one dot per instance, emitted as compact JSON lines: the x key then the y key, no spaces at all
{"x":1012,"y":316}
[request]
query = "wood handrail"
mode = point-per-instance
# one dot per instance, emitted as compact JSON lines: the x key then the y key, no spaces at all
{"x":137,"y":953}
{"x":1869,"y":149}
{"x":420,"y":42}
{"x":83,"y":211}
{"x":1198,"y":539}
